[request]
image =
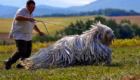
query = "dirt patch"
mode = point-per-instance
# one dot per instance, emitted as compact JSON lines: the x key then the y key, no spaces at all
{"x":133,"y":19}
{"x":4,"y":36}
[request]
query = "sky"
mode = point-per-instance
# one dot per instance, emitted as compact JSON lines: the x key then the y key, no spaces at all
{"x":54,"y":3}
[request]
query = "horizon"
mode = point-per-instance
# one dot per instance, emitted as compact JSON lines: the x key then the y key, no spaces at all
{"x":52,"y":3}
{"x":82,"y":6}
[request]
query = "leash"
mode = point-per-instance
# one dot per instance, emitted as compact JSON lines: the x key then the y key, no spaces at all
{"x":45,"y":27}
{"x":60,"y":25}
{"x":56,"y":25}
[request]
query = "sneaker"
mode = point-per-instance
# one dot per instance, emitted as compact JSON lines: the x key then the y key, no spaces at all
{"x":7,"y":65}
{"x":19,"y":66}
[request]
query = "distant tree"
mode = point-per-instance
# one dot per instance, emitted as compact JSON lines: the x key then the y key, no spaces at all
{"x":56,"y":36}
{"x":3,"y":42}
{"x":76,"y":28}
{"x":70,"y":29}
{"x":87,"y":24}
{"x":101,"y":19}
{"x":79,"y":25}
{"x":106,"y":12}
{"x":45,"y":38}
{"x":125,"y":21}
{"x":118,"y":12}
{"x":126,"y":31}
{"x":136,"y":29}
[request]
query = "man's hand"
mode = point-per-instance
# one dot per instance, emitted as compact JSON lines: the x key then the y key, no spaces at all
{"x":37,"y":30}
{"x":41,"y":33}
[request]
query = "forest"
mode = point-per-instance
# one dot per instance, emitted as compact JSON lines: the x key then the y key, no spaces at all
{"x":106,"y":12}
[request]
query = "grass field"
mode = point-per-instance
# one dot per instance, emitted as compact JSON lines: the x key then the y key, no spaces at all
{"x":125,"y":58}
{"x":133,"y":19}
{"x":125,"y":62}
{"x":6,"y":23}
{"x":125,"y":66}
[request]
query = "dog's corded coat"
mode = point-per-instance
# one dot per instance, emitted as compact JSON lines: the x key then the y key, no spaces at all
{"x":90,"y":47}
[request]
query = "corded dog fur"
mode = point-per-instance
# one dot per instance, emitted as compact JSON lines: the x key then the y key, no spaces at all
{"x":90,"y":47}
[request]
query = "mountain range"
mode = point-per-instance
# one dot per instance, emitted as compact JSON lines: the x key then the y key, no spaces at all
{"x":9,"y":11}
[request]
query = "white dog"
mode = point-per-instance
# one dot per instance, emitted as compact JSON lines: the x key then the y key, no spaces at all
{"x":90,"y":47}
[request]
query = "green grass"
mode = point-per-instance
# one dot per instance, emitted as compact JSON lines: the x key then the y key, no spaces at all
{"x":125,"y":61}
{"x":6,"y":23}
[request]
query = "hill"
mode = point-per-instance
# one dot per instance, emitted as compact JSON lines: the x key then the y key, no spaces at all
{"x":9,"y":11}
{"x":116,"y":4}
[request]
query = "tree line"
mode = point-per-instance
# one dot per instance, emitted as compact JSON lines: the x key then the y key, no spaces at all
{"x":106,"y":12}
{"x":124,"y":29}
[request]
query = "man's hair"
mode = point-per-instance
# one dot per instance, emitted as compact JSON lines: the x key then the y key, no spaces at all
{"x":30,"y":2}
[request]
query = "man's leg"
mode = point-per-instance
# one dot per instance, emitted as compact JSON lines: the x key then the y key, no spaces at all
{"x":28,"y":50}
{"x":21,"y":50}
{"x":27,"y":53}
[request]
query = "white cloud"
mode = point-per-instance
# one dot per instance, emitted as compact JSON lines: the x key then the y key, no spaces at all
{"x":55,"y":3}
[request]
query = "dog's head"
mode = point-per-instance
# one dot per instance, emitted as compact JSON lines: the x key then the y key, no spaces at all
{"x":106,"y":34}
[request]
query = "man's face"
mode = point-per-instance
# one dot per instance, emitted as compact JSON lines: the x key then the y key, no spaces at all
{"x":31,"y":7}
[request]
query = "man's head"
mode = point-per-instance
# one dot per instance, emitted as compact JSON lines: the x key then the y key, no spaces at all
{"x":30,"y":5}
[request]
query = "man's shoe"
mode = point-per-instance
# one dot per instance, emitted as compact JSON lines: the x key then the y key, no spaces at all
{"x":7,"y":65}
{"x":19,"y":66}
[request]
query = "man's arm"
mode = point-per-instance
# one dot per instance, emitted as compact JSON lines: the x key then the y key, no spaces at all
{"x":37,"y":30}
{"x":22,"y":18}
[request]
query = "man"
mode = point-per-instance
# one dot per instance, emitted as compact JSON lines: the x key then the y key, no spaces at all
{"x":21,"y":31}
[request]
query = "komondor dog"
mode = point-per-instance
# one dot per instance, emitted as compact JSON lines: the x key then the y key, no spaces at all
{"x":90,"y":47}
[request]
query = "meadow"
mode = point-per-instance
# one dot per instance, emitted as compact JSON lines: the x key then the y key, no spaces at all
{"x":125,"y":58}
{"x":125,"y":65}
{"x":6,"y":24}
